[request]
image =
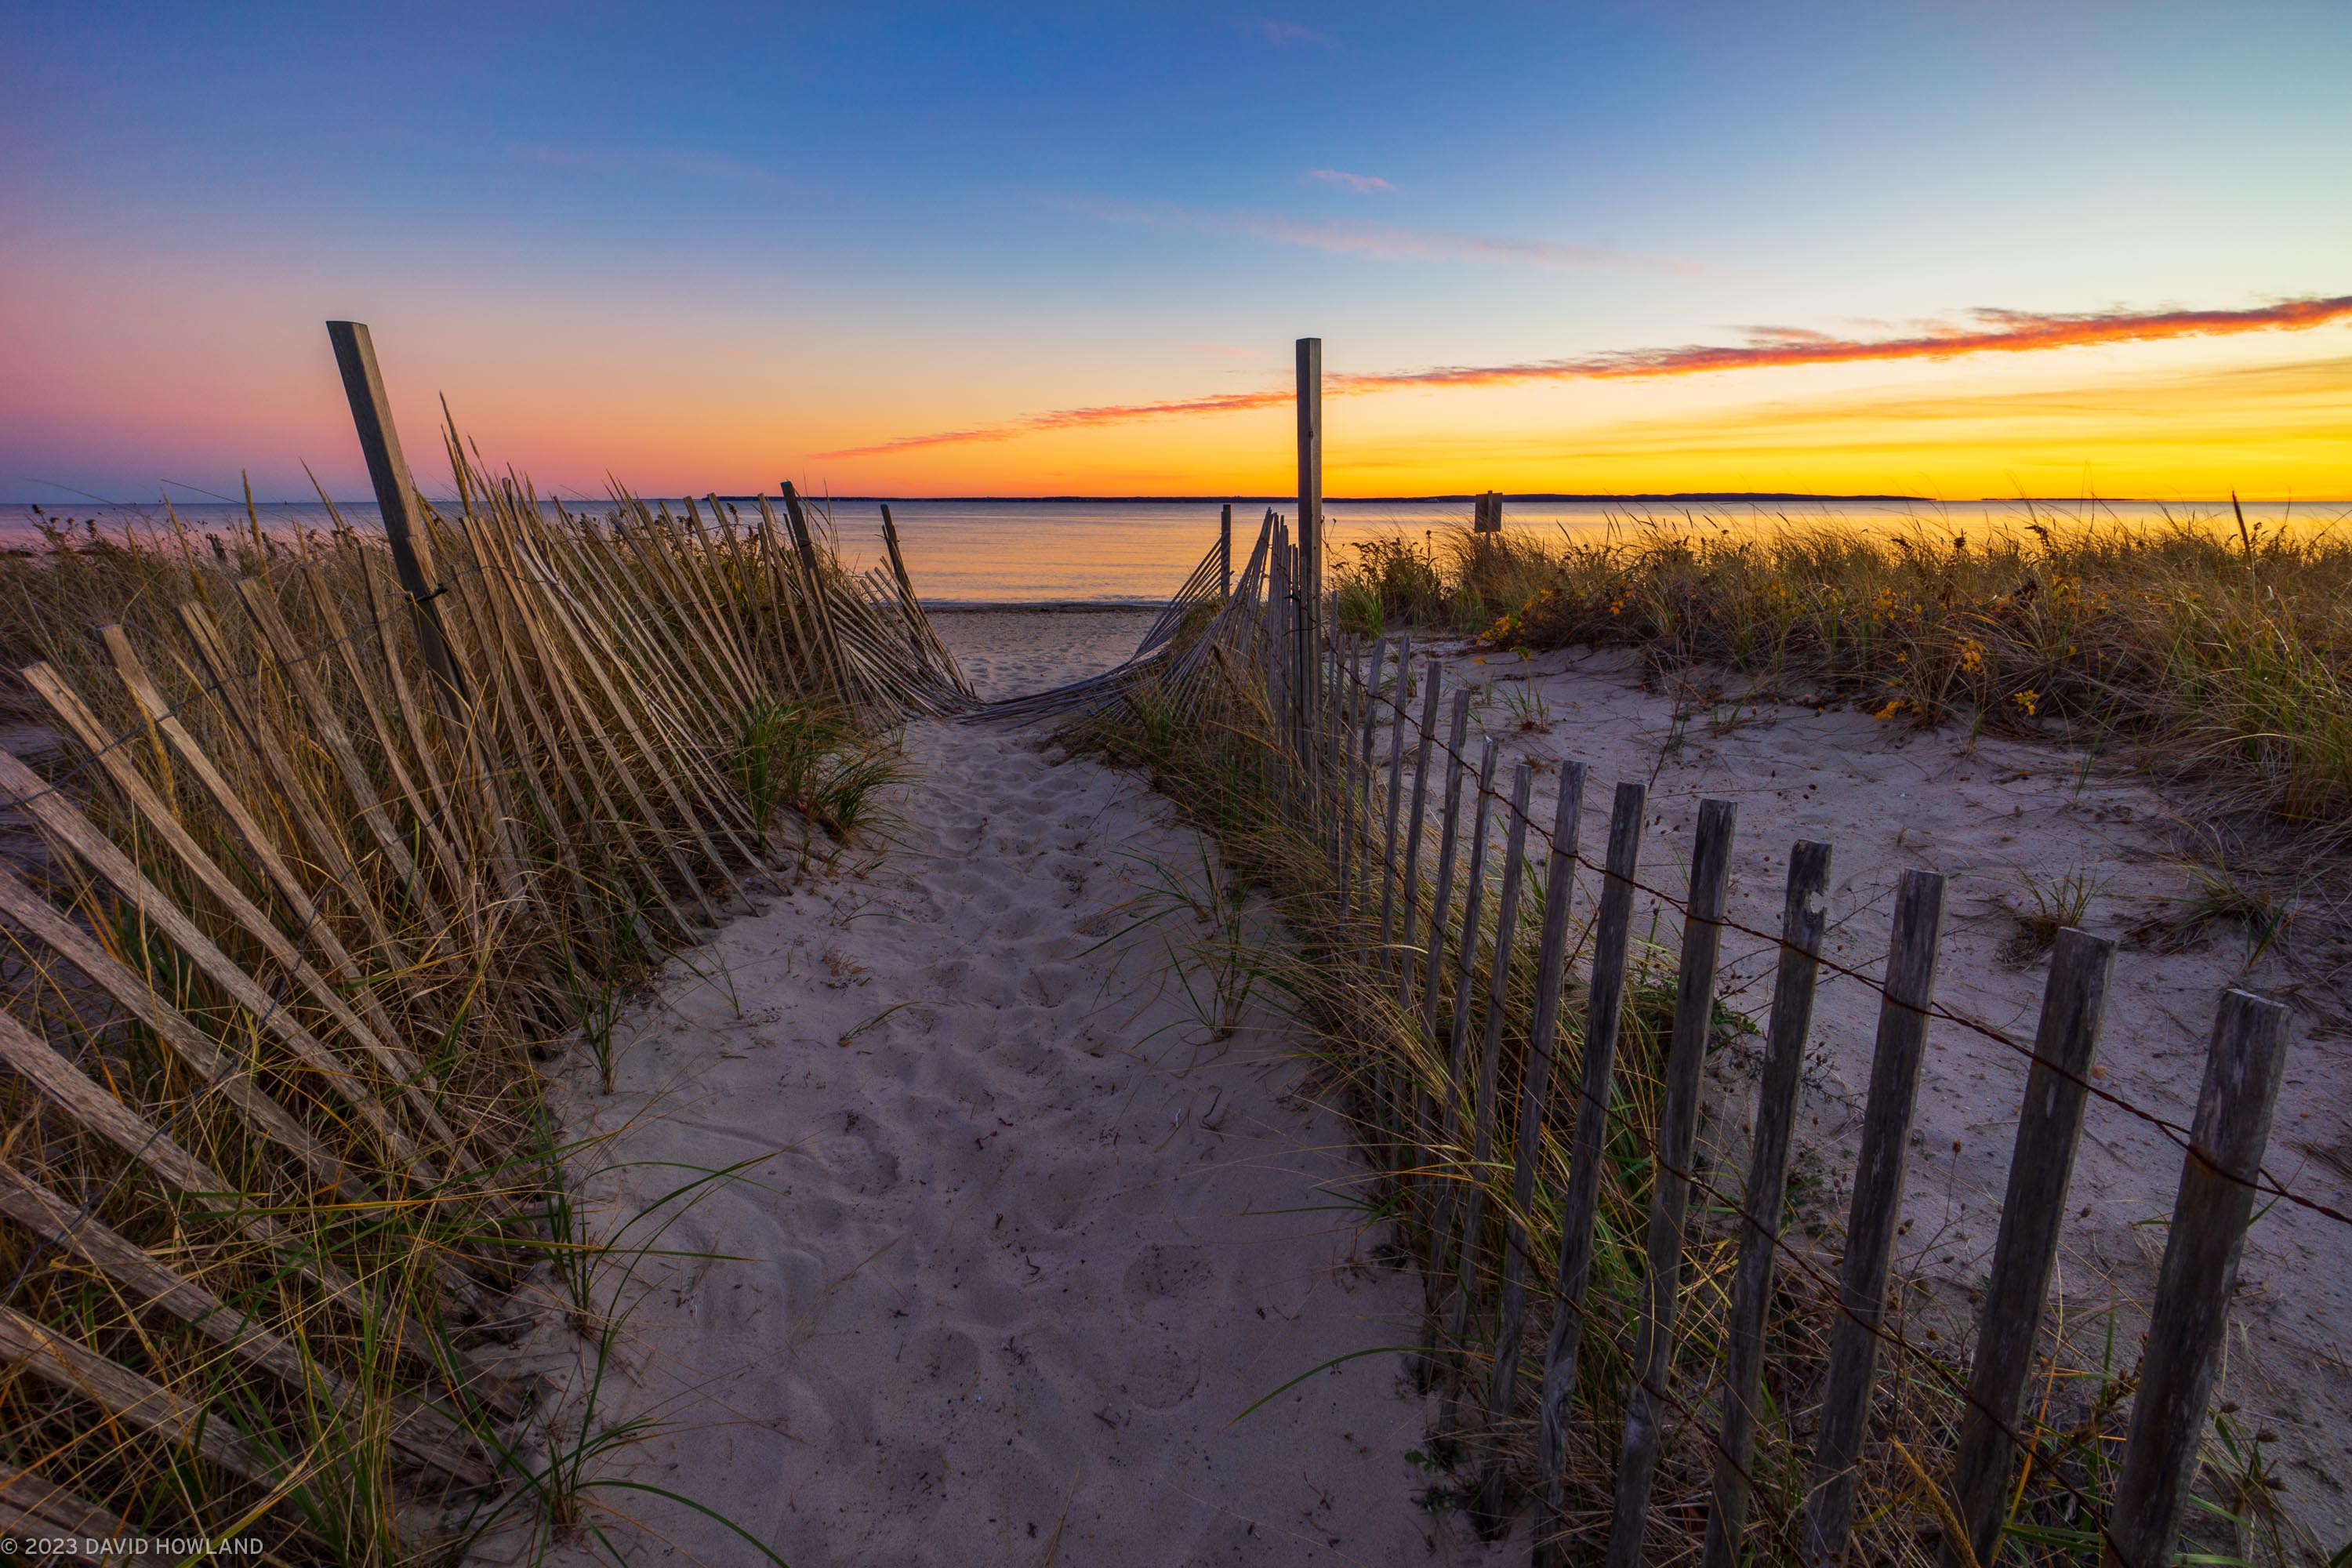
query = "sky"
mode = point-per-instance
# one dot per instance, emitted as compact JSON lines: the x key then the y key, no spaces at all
{"x":1883,"y":247}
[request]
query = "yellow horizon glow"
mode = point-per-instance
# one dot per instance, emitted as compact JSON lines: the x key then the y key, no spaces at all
{"x":2192,"y":430}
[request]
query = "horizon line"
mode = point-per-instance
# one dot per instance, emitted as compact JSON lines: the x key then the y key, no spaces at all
{"x":1218,"y":498}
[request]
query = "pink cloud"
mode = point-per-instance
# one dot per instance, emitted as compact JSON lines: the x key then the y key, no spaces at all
{"x":1362,"y":184}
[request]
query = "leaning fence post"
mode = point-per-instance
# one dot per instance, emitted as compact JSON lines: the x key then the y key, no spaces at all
{"x":1803,"y":919}
{"x":396,"y":498}
{"x":2041,"y":1165}
{"x":1909,"y":989}
{"x":1674,"y":1161}
{"x":1535,"y":1092}
{"x":1612,"y":936}
{"x":2210,"y":1215}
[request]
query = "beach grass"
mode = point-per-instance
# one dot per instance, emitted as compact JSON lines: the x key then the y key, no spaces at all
{"x":320,"y":1371}
{"x":2217,"y":651}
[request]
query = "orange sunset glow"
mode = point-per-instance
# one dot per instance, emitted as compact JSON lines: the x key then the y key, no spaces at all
{"x":1086,"y":291}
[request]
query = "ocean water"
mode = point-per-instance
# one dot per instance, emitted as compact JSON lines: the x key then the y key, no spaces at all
{"x":1095,"y":551}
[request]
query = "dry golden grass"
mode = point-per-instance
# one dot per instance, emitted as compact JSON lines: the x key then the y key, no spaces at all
{"x":2222,"y":650}
{"x":392,"y":919}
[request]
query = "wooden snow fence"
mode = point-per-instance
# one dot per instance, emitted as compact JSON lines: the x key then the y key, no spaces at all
{"x":1557,"y":1208}
{"x":334,"y":825}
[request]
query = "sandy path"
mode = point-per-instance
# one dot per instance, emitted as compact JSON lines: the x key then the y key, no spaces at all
{"x":1033,"y":1240}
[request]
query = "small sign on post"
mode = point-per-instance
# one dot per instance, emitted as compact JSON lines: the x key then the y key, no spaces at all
{"x":1488,"y":516}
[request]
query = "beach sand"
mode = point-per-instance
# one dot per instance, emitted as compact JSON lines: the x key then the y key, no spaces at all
{"x":1026,"y":1239}
{"x":1993,"y":814}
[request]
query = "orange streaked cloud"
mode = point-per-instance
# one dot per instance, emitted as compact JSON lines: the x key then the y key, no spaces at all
{"x":1987,"y":330}
{"x":2166,"y":425}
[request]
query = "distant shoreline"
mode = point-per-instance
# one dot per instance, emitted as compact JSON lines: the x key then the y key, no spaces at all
{"x":1536,"y":497}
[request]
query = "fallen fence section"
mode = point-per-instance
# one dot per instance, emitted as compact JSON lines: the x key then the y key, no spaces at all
{"x":343,"y":821}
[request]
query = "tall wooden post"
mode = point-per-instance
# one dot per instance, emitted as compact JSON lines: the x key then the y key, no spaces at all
{"x":1226,"y":551}
{"x":1308,"y":586}
{"x":396,"y":498}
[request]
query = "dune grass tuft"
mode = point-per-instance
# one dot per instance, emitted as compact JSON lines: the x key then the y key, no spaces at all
{"x":2221,"y":650}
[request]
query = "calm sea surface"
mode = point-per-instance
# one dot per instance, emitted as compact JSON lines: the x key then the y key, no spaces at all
{"x":1137,"y":552}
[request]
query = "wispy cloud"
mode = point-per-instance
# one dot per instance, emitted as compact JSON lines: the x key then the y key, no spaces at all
{"x":1987,"y":329}
{"x":1363,"y":184}
{"x":1984,"y":331}
{"x":1283,"y":34}
{"x":667,"y":164}
{"x":1375,"y":241}
{"x":1225,"y":351}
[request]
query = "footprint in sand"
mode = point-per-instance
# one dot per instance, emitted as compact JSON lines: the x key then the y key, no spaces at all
{"x":1174,"y":1271}
{"x":1160,"y":1375}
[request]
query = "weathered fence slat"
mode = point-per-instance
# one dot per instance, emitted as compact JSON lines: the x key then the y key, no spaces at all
{"x":71,"y":1091}
{"x":33,"y":1505}
{"x":1674,"y":1162}
{"x":1456,"y":1118}
{"x":1804,"y":917}
{"x":1449,"y":843}
{"x":72,"y":1367}
{"x":2041,"y":1166}
{"x":284,"y":648}
{"x":55,"y":929}
{"x":1396,"y":801}
{"x":1534,"y":1095}
{"x":423,"y":1433}
{"x":70,"y":828}
{"x":258,"y":730}
{"x":2200,"y":1274}
{"x":1343,"y":802}
{"x":820,"y":602}
{"x":1612,"y":936}
{"x":1417,"y":820}
{"x":1489,"y":1075}
{"x":1367,"y":770}
{"x":1909,"y":990}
